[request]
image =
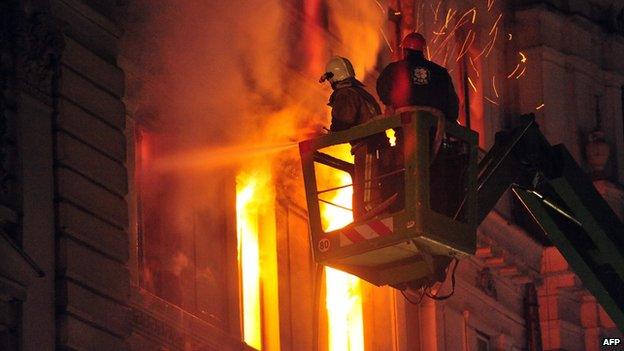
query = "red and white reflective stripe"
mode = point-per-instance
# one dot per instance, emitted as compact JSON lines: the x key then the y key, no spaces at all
{"x":371,"y":230}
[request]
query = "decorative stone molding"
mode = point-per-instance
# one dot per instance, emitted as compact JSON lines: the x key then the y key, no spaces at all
{"x":174,"y":328}
{"x":505,"y":255}
{"x":142,"y":321}
{"x":485,"y":282}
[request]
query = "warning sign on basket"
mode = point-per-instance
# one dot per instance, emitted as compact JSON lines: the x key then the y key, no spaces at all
{"x":324,"y":244}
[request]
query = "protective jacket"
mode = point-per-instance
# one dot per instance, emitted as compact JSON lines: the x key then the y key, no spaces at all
{"x":420,"y":82}
{"x":351,"y":105}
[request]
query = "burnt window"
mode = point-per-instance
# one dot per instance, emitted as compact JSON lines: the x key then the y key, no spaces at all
{"x":182,"y":229}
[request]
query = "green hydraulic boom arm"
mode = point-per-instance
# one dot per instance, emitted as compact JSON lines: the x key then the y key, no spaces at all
{"x":563,"y":201}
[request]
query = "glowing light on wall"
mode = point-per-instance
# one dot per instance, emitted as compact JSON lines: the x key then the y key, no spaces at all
{"x":257,"y":257}
{"x":344,"y":311}
{"x":344,"y":291}
{"x":249,"y":259}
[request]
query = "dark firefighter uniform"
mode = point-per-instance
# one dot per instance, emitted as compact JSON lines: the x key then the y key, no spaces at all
{"x":352,"y":105}
{"x":417,"y":81}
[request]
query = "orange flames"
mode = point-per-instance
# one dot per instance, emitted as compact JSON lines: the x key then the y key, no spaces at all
{"x":344,"y":291}
{"x":344,"y":311}
{"x":249,"y":259}
{"x":255,"y":217}
{"x":453,"y":36}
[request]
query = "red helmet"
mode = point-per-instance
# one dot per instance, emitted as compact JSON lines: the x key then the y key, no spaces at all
{"x":413,"y":41}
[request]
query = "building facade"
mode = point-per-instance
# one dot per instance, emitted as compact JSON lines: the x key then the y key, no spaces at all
{"x":115,"y":236}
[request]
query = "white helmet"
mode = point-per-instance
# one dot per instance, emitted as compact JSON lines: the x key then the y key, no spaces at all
{"x":337,"y":69}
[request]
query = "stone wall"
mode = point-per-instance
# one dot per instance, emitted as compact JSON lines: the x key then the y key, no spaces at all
{"x":65,"y":98}
{"x":93,"y":285}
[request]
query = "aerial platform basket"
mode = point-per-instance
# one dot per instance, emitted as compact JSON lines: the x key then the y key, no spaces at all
{"x":395,"y":246}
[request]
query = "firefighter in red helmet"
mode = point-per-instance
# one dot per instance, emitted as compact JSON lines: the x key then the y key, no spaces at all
{"x":352,"y":105}
{"x":416,"y":81}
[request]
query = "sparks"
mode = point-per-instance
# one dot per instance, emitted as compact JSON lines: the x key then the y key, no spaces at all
{"x":514,"y":71}
{"x":383,"y":35}
{"x":462,"y":20}
{"x":523,"y":57}
{"x":521,"y":73}
{"x":539,"y":107}
{"x":472,"y":85}
{"x":449,"y":15}
{"x":383,"y":10}
{"x":494,"y":86}
{"x":465,"y":46}
{"x":489,"y":46}
{"x":436,"y":11}
{"x":473,"y":66}
{"x":490,"y":100}
{"x":474,"y":15}
{"x":510,"y":36}
{"x":492,"y":44}
{"x":495,"y":24}
{"x":490,"y":4}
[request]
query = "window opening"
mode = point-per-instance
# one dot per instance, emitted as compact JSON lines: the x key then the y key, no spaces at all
{"x":483,"y":341}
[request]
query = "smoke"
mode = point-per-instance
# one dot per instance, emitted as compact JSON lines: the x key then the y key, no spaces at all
{"x":216,"y":72}
{"x":219,"y":88}
{"x":358,"y":24}
{"x":209,"y":69}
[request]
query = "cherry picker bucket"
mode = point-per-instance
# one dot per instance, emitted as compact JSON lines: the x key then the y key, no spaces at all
{"x":399,"y":240}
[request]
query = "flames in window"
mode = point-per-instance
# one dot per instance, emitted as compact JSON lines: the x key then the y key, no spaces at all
{"x":257,"y":257}
{"x":221,"y":76}
{"x":343,"y":298}
{"x":247,"y":206}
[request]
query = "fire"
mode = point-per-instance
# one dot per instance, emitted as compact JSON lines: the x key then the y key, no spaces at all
{"x":255,"y":211}
{"x":391,"y":134}
{"x":344,"y":311}
{"x":344,"y":291}
{"x":249,"y":258}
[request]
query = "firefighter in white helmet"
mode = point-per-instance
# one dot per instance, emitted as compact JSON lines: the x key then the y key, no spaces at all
{"x":352,"y":105}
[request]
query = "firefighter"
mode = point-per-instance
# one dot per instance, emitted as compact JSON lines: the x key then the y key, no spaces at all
{"x":352,"y":105}
{"x":416,"y":81}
